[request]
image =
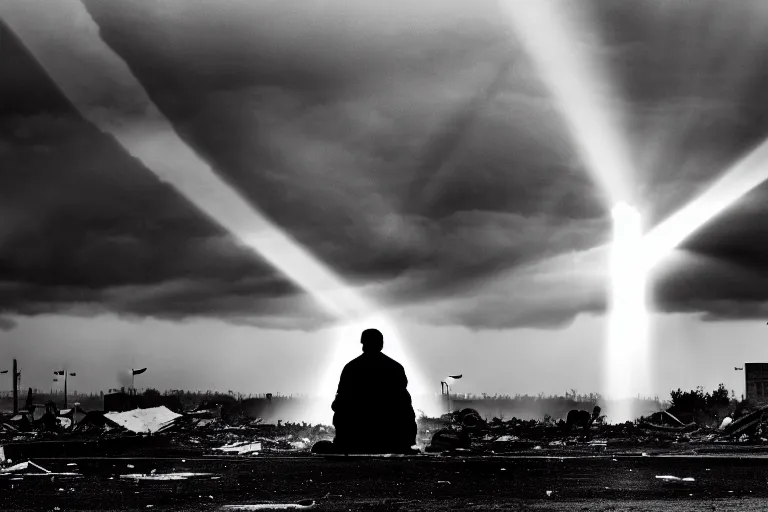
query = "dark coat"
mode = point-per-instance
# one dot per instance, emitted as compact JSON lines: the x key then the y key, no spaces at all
{"x":372,"y":410}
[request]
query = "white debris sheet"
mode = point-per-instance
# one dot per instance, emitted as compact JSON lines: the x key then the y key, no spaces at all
{"x":141,"y":421}
{"x":165,"y":476}
{"x":241,"y":448}
{"x":23,"y":468}
{"x":674,"y":478}
{"x":270,"y":506}
{"x":17,"y":467}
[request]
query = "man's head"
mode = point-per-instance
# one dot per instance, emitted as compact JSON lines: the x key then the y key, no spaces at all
{"x":372,"y":340}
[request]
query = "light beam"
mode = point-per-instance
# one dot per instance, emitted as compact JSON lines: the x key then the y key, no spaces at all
{"x":65,"y":40}
{"x":746,"y":174}
{"x":627,"y":352}
{"x":552,"y":34}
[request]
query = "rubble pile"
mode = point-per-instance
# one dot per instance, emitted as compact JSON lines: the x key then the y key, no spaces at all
{"x":217,"y":436}
{"x":203,"y":432}
{"x":208,"y":432}
{"x":465,"y":431}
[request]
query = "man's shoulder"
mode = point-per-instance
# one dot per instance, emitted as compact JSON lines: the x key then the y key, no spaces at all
{"x":391,"y":362}
{"x":358,"y":361}
{"x":378,"y":359}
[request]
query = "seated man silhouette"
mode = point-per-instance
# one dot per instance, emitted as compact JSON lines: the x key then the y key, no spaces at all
{"x":372,"y":409}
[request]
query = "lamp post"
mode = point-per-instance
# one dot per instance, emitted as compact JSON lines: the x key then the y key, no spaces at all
{"x":133,"y":374}
{"x":5,"y":371}
{"x":65,"y":374}
{"x":736,"y":368}
{"x":446,"y":385}
{"x":16,"y":386}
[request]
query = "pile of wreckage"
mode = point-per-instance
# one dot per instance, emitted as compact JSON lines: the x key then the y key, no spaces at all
{"x":466,"y":431}
{"x":202,"y":431}
{"x":206,"y":431}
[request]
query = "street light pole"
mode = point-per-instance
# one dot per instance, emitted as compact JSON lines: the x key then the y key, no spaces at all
{"x":14,"y":378}
{"x":66,"y":374}
{"x":133,"y":375}
{"x":745,"y":381}
{"x":450,"y":379}
{"x":16,"y":374}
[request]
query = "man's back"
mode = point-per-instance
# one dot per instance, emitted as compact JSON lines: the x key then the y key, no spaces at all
{"x":372,"y":371}
{"x":373,"y":411}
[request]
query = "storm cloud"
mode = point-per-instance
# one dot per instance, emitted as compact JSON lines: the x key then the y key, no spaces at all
{"x":412,"y":149}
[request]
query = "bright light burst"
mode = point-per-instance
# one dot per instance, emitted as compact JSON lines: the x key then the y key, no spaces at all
{"x":66,"y":41}
{"x":349,"y":347}
{"x":627,"y":351}
{"x":346,"y":338}
{"x":551,"y":32}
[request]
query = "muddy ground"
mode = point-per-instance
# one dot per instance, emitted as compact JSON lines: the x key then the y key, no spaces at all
{"x":607,"y":482}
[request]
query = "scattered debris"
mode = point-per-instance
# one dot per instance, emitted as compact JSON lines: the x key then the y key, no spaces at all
{"x":448,"y":439}
{"x":166,"y":476}
{"x":18,"y":467}
{"x":241,"y":448}
{"x":674,"y":478}
{"x":272,"y":506}
{"x":213,"y":429}
{"x":38,"y":467}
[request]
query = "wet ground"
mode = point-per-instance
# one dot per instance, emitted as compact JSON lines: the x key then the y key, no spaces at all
{"x":420,"y":483}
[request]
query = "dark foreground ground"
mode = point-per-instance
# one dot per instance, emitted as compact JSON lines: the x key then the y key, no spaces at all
{"x":421,"y":483}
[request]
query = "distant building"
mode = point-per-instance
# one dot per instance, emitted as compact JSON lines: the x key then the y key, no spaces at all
{"x":756,"y":376}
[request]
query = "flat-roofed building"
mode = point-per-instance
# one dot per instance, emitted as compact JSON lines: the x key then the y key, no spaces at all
{"x":756,"y":377}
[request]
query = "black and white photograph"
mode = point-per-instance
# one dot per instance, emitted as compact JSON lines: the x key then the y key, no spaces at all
{"x":402,"y":255}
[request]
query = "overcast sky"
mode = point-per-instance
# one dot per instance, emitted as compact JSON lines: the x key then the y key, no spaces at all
{"x":409,"y":146}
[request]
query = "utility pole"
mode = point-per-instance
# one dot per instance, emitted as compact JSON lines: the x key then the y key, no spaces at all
{"x":16,"y":376}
